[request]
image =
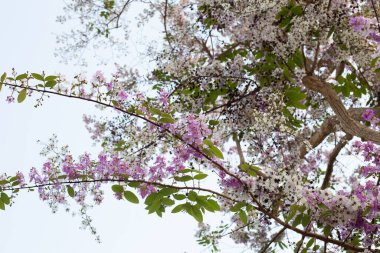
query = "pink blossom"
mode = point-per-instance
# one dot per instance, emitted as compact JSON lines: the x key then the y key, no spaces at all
{"x":122,"y":95}
{"x":358,"y":23}
{"x":10,"y":99}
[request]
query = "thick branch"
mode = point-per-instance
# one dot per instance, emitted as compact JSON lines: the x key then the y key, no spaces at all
{"x":329,"y":126}
{"x":348,"y":124}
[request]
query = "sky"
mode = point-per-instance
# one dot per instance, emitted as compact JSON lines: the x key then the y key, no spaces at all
{"x":27,"y":42}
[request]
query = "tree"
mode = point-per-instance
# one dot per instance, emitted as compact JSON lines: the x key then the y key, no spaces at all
{"x":246,"y":112}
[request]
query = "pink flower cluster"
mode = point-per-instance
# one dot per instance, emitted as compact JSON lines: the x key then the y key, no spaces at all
{"x":363,"y":25}
{"x":371,"y":154}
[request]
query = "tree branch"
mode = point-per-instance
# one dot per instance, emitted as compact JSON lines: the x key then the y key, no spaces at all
{"x":158,"y":125}
{"x":274,"y":238}
{"x":329,"y":126}
{"x":334,"y":154}
{"x":348,"y":124}
{"x":106,"y":180}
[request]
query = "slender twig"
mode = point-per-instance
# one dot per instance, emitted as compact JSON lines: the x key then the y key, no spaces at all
{"x":233,"y":101}
{"x":274,"y":238}
{"x":106,"y":180}
{"x":165,"y":16}
{"x":302,"y":239}
{"x":333,"y":155}
{"x":118,"y":15}
{"x":204,"y":46}
{"x":316,"y":54}
{"x":377,"y":16}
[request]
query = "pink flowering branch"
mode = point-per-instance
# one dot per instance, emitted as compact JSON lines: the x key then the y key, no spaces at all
{"x":108,"y":180}
{"x":158,"y":125}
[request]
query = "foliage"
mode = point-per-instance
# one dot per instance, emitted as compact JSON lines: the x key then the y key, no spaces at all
{"x":266,"y":94}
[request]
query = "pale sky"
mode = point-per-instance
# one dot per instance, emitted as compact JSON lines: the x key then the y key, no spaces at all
{"x":27,"y":43}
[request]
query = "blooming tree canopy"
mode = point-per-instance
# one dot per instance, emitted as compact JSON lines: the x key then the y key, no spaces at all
{"x":253,"y":108}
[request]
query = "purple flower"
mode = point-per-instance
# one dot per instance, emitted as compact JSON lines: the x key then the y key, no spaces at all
{"x":20,"y":178}
{"x":368,"y":115}
{"x":109,"y":86}
{"x":164,"y":96}
{"x":122,"y":95}
{"x":358,"y":23}
{"x":375,"y":37}
{"x":10,"y":99}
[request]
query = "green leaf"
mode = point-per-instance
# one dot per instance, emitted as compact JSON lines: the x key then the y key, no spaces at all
{"x":5,"y":198}
{"x":250,"y":169}
{"x":179,"y":208}
{"x":131,"y":197}
{"x":21,"y":96}
{"x":297,"y":220}
{"x":208,"y":142}
{"x":167,"y":120}
{"x":134,"y":184}
{"x":115,"y":103}
{"x":155,"y":111}
{"x":195,"y":212}
{"x":50,"y":84}
{"x":167,"y":202}
{"x":297,"y":10}
{"x":183,"y":178}
{"x":306,"y":220}
{"x":2,"y":182}
{"x":179,"y":196}
{"x":190,"y":170}
{"x":243,"y":216}
{"x":327,"y":230}
{"x":149,"y":200}
{"x":216,"y":152}
{"x":310,"y":242}
{"x":167,"y":191}
{"x":117,"y":188}
{"x":215,"y":206}
{"x":192,"y":195}
{"x":70,"y":191}
{"x":2,"y":206}
{"x":22,"y":76}
{"x":202,"y":201}
{"x":237,"y":206}
{"x":213,"y":122}
{"x":341,"y":79}
{"x":156,"y":204}
{"x":38,"y":76}
{"x":2,"y":78}
{"x":12,"y":179}
{"x":200,"y":176}
{"x":51,"y":78}
{"x":297,"y":58}
{"x":295,"y":94}
{"x":291,"y":215}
